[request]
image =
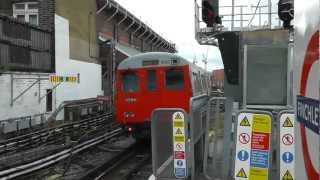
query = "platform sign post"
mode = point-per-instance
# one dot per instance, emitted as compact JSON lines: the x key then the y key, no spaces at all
{"x":179,"y":145}
{"x":287,"y":143}
{"x":253,"y":145}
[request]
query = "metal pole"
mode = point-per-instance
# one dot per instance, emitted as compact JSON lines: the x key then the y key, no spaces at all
{"x":269,"y":12}
{"x":259,"y":17}
{"x":244,"y":101}
{"x":39,"y":89}
{"x":241,"y":18}
{"x":113,"y":71}
{"x":232,"y":18}
{"x":11,"y":94}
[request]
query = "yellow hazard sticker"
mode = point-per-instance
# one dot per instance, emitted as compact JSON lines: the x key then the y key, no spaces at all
{"x":287,"y":123}
{"x":178,"y":116}
{"x":179,"y":132}
{"x":245,"y":122}
{"x":258,"y":174}
{"x":261,"y":123}
{"x":179,"y":138}
{"x":178,"y":124}
{"x":242,"y":174}
{"x":287,"y":176}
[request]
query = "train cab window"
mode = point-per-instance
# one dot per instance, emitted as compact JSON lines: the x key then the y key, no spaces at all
{"x":152,"y":81}
{"x":174,"y":79}
{"x":129,"y":81}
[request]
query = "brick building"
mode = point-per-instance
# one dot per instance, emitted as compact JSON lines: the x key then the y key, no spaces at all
{"x":218,"y":79}
{"x":39,"y":13}
{"x":85,"y":39}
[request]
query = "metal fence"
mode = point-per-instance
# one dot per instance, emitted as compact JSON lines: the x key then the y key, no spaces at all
{"x":162,"y":142}
{"x":22,"y":123}
{"x":24,"y":47}
{"x":198,"y":127}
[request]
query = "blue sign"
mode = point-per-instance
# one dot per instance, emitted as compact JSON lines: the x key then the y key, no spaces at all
{"x":308,"y":112}
{"x":243,"y":155}
{"x":259,"y":158}
{"x":179,"y":163}
{"x":287,"y":157}
{"x":180,"y":172}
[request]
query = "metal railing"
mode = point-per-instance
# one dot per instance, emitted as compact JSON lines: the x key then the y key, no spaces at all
{"x":24,"y":47}
{"x":247,"y":18}
{"x":22,"y":123}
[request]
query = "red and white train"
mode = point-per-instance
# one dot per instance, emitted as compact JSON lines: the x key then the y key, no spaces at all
{"x":155,"y":80}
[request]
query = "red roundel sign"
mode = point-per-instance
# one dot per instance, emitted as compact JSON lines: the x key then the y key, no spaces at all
{"x":311,"y":57}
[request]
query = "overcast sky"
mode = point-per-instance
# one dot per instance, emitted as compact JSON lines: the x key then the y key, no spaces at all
{"x":174,"y":20}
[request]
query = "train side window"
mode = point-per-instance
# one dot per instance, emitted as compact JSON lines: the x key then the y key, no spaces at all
{"x":129,"y":81}
{"x":152,"y":80}
{"x":174,"y":79}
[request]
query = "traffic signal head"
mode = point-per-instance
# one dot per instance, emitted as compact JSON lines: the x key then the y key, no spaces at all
{"x":286,"y":12}
{"x":210,"y":12}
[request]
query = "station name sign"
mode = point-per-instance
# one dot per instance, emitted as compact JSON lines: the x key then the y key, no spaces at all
{"x":308,"y":112}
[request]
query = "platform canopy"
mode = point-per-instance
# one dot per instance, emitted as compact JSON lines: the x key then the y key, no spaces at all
{"x":126,"y":50}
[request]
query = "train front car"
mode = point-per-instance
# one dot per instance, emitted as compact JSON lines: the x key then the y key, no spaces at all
{"x":148,"y":81}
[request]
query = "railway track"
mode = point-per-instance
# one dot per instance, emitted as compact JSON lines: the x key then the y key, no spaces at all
{"x":95,"y":155}
{"x":125,"y":165}
{"x":47,"y":161}
{"x":102,"y":129}
{"x":51,"y":135}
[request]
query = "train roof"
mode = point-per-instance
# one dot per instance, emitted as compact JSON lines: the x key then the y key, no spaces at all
{"x":151,"y":59}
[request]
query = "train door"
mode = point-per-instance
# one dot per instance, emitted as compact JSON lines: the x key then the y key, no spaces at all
{"x":152,"y":95}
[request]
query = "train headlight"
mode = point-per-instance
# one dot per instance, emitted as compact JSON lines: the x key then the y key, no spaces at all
{"x":130,"y":100}
{"x":129,"y":114}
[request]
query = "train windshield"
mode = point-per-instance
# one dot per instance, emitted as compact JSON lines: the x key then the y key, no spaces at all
{"x":129,"y":81}
{"x":174,"y":79}
{"x":152,"y":81}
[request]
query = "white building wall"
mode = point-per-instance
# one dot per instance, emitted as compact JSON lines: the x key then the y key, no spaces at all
{"x":28,"y":104}
{"x":90,"y":73}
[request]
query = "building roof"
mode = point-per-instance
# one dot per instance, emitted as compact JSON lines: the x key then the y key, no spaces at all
{"x":146,"y":32}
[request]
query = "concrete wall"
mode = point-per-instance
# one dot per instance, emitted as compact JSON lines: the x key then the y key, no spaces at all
{"x":90,"y":73}
{"x":26,"y":105}
{"x":82,"y":27}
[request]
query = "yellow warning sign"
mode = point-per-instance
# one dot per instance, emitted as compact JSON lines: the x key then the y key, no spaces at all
{"x":179,"y":132}
{"x":242,"y":174}
{"x":179,"y":138}
{"x":178,"y":127}
{"x":258,"y":173}
{"x":261,"y":123}
{"x":287,"y":123}
{"x":178,"y":124}
{"x":287,"y":176}
{"x":245,"y":122}
{"x":178,"y":117}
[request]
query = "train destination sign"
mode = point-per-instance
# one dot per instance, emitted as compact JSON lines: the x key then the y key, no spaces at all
{"x":253,"y":146}
{"x":179,"y":138}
